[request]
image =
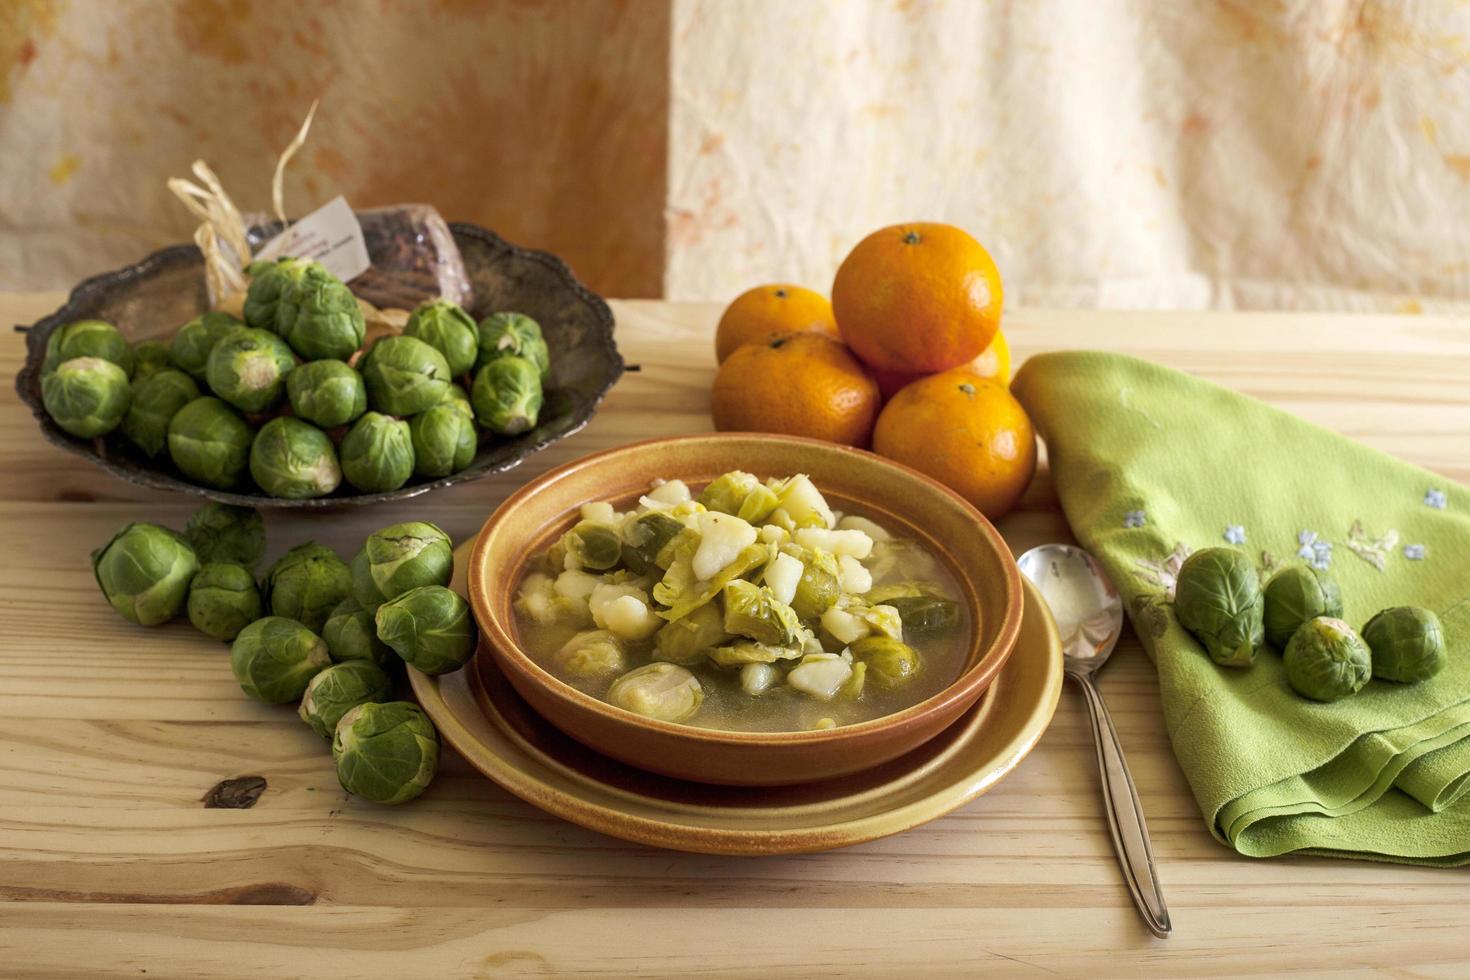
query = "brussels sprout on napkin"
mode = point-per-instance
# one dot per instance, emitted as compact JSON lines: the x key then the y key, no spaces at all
{"x":1218,"y":598}
{"x":1295,"y":595}
{"x":1407,"y":644}
{"x":1326,"y":661}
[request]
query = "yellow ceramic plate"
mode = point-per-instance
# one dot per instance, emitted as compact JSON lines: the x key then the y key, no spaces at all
{"x":486,"y":721}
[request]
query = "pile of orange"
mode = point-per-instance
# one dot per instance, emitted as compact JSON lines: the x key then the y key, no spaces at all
{"x":908,"y":357}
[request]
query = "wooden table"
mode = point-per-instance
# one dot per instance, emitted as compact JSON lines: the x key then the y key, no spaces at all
{"x":110,"y":734}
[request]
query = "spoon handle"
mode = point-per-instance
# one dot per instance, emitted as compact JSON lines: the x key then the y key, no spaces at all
{"x":1125,"y":815}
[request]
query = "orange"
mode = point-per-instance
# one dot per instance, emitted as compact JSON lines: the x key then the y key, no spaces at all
{"x":917,"y":298}
{"x":967,"y":432}
{"x":759,"y":314}
{"x":799,"y":384}
{"x":994,"y":363}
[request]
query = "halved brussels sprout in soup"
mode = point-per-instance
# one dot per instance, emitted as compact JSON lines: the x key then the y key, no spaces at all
{"x":744,"y":605}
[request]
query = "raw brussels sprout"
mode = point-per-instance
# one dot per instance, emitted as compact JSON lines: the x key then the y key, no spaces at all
{"x":191,"y":345}
{"x":684,"y":641}
{"x":87,"y":338}
{"x":340,"y":688}
{"x":377,"y":454}
{"x":399,"y":558}
{"x":751,"y":610}
{"x":155,"y":401}
{"x":890,"y":662}
{"x":294,"y":460}
{"x":513,"y":335}
{"x":144,"y":572}
{"x":150,"y":357}
{"x":460,"y":399}
{"x":306,"y":584}
{"x":268,"y":281}
{"x":385,"y":753}
{"x":591,"y":656}
{"x":351,"y":634}
{"x":328,"y":393}
{"x":319,"y":317}
{"x":663,"y":691}
{"x":507,"y":396}
{"x":1218,"y":598}
{"x":593,"y":545}
{"x":223,"y":600}
{"x":222,"y":533}
{"x":429,"y":627}
{"x":209,"y":442}
{"x":1325,"y":660}
{"x":86,"y":396}
{"x":1295,"y":595}
{"x":1407,"y":644}
{"x":443,"y":440}
{"x":275,"y":658}
{"x":248,"y":369}
{"x":404,"y":376}
{"x":646,"y":540}
{"x":451,"y":331}
{"x":920,"y":605}
{"x":820,"y":583}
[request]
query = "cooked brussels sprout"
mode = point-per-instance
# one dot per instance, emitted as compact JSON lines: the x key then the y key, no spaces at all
{"x":155,"y":401}
{"x":593,"y":545}
{"x":889,"y":661}
{"x":144,"y":571}
{"x":663,"y":691}
{"x":683,"y":592}
{"x":209,"y":442}
{"x":328,"y":393}
{"x":404,"y":376}
{"x":429,"y":627}
{"x":590,"y":656}
{"x":1217,"y":597}
{"x":460,"y":399}
{"x":507,"y":396}
{"x":223,"y":600}
{"x":852,"y":688}
{"x":728,"y":491}
{"x":684,"y":641}
{"x":1407,"y":644}
{"x":751,"y":610}
{"x":743,"y":652}
{"x":1325,"y":660}
{"x":86,"y":396}
{"x":399,"y":558}
{"x":920,"y":605}
{"x":294,"y":460}
{"x":268,"y":281}
{"x":248,"y":369}
{"x":351,"y":634}
{"x":87,"y":338}
{"x":222,"y":533}
{"x":377,"y":453}
{"x":820,"y":582}
{"x":385,"y":753}
{"x":646,"y":540}
{"x":318,"y":316}
{"x":443,"y":440}
{"x":513,"y":335}
{"x":1293,"y":596}
{"x":340,"y":688}
{"x":150,"y":357}
{"x":191,"y":346}
{"x":451,"y":331}
{"x":306,"y":584}
{"x":275,"y":658}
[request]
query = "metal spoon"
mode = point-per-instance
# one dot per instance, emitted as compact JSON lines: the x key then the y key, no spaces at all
{"x":1089,"y":616}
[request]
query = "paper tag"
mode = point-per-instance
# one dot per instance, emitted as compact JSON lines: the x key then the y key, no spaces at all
{"x":331,"y":235}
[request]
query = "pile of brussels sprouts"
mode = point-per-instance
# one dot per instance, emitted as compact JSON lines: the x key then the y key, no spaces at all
{"x":330,"y":634}
{"x":1218,"y":598}
{"x":285,"y":399}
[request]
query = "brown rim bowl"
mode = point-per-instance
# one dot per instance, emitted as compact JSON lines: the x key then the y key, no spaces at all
{"x":894,"y":495}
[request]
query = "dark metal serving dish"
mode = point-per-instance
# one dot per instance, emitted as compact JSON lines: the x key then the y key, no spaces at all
{"x":155,"y":296}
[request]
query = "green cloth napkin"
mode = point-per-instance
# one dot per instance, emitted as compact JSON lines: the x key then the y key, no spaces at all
{"x":1150,"y":463}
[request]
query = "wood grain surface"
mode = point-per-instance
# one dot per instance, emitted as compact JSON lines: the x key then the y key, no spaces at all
{"x":111,"y":734}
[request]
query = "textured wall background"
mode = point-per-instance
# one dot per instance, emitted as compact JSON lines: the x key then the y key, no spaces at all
{"x":1125,"y":153}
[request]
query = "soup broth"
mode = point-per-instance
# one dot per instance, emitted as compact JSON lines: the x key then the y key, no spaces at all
{"x":746,"y":606}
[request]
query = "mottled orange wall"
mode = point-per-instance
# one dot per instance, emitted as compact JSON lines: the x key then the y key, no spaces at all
{"x":546,"y":121}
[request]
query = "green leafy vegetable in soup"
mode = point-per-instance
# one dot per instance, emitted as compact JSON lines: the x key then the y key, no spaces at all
{"x":749,"y":604}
